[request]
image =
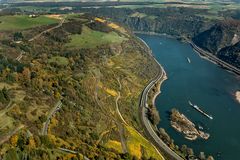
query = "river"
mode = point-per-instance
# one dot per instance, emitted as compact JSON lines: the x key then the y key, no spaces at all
{"x":204,"y":84}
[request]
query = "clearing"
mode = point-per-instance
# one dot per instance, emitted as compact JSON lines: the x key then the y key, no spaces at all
{"x":91,"y":39}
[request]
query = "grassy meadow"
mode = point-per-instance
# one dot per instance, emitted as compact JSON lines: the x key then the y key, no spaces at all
{"x":91,"y":39}
{"x":59,"y":60}
{"x":20,"y":22}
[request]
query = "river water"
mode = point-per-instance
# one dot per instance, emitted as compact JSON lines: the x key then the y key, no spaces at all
{"x":204,"y":84}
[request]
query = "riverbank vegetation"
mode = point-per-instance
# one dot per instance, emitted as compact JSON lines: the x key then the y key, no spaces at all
{"x":153,"y":114}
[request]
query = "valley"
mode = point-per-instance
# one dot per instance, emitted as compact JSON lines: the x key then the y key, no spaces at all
{"x":81,"y":80}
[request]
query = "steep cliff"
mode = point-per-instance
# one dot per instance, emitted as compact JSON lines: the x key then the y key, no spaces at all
{"x":222,"y":40}
{"x":172,"y":21}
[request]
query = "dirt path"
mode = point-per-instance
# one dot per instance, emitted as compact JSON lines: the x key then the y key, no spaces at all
{"x":48,"y":30}
{"x":119,"y":124}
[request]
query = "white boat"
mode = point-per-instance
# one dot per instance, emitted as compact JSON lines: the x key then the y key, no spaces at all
{"x":188,"y":59}
{"x":199,"y":110}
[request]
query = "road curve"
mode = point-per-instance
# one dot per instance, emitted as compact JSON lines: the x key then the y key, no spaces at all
{"x":149,"y":131}
{"x":53,"y":111}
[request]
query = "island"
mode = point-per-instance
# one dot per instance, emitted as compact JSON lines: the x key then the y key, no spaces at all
{"x":182,"y":124}
{"x":237,"y":95}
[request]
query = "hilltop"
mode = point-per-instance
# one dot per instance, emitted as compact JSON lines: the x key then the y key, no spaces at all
{"x":70,"y":87}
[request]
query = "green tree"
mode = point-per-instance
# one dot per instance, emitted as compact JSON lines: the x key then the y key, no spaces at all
{"x":184,"y":149}
{"x":18,"y":36}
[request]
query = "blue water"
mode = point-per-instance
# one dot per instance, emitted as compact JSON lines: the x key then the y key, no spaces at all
{"x":205,"y":84}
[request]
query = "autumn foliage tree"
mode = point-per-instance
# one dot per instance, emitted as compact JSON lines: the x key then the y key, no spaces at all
{"x":14,"y":140}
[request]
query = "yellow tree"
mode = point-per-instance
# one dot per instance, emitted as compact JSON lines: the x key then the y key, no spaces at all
{"x":14,"y":140}
{"x":26,"y":74}
{"x":31,"y":143}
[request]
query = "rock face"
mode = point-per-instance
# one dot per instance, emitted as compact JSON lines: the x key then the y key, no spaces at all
{"x":172,"y":21}
{"x":166,"y":24}
{"x":222,"y":40}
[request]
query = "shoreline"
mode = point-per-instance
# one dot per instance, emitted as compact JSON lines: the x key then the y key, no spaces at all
{"x":202,"y":53}
{"x":159,"y":88}
{"x":143,"y":107}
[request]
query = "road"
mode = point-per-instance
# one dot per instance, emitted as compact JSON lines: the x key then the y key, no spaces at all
{"x":210,"y":56}
{"x":149,"y":131}
{"x":53,"y":111}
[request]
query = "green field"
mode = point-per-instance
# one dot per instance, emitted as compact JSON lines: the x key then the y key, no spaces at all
{"x":59,"y":60}
{"x":90,"y":38}
{"x":19,"y":22}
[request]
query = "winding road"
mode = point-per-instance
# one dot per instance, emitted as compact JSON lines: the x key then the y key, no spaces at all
{"x":149,"y":131}
{"x":53,"y":111}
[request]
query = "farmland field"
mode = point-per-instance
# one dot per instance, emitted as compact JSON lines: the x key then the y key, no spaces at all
{"x":91,"y":39}
{"x":19,"y":22}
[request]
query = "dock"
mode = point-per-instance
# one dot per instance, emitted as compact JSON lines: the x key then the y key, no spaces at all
{"x":199,"y":110}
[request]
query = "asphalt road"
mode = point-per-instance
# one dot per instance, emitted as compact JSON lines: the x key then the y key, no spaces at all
{"x":152,"y":136}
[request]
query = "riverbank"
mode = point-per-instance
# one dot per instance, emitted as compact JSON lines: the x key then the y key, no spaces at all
{"x":202,"y":53}
{"x":143,"y":109}
{"x":159,"y":87}
{"x":203,"y":83}
{"x":209,"y":56}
